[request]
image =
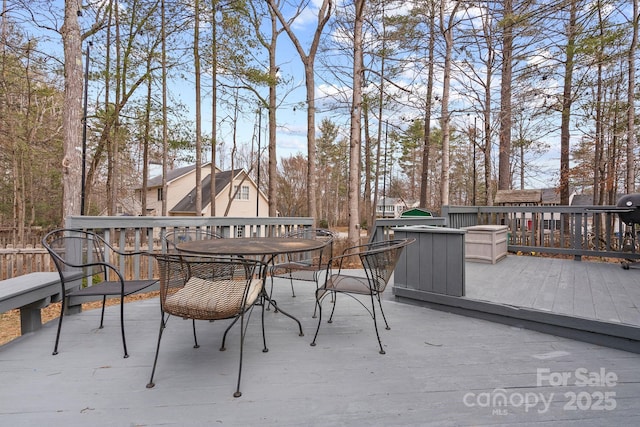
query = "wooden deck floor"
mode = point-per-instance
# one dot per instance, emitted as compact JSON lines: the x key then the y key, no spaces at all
{"x":592,"y":290}
{"x":441,"y":369}
{"x":593,"y":301}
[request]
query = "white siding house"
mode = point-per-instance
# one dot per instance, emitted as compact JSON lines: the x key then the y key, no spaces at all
{"x":248,"y":201}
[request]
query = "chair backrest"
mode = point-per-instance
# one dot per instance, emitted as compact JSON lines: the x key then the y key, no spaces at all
{"x":207,"y":288}
{"x":322,"y":255}
{"x":379,"y":259}
{"x":77,"y":250}
{"x":182,"y":235}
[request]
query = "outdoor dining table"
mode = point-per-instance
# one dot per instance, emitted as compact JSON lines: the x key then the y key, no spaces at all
{"x":267,"y":248}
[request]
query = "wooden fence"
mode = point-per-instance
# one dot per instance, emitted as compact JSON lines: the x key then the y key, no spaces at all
{"x":19,"y":261}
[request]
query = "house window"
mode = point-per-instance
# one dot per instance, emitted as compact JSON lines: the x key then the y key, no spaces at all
{"x":160,"y":198}
{"x":243,"y":194}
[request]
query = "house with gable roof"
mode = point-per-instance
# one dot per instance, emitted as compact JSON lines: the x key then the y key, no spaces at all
{"x":234,"y":189}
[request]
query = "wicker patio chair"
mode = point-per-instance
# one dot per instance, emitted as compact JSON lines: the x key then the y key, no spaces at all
{"x":182,"y":235}
{"x":378,"y":260}
{"x":76,"y":251}
{"x":306,"y":266}
{"x":209,"y":288}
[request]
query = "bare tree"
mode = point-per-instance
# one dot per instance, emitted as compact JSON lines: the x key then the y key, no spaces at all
{"x":196,"y":63}
{"x":424,"y":181}
{"x":447,"y":24}
{"x":567,"y":100}
{"x":308,"y":60}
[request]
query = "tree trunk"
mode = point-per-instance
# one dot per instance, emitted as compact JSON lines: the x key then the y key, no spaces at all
{"x":355,"y":132}
{"x":214,"y":102}
{"x":273,"y":159}
{"x":424,"y":181}
{"x":565,"y":134}
{"x":504,"y":161}
{"x":631,"y":133}
{"x":145,"y":144}
{"x":72,"y":113}
{"x":196,"y":63}
{"x":165,"y":129}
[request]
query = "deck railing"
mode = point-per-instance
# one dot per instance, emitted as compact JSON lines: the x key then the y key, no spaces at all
{"x":144,"y":234}
{"x":577,"y":231}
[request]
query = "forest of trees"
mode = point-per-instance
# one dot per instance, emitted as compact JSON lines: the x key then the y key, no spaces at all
{"x":440,"y":102}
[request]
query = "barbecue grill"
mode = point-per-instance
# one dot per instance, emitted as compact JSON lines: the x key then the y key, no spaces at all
{"x":629,"y":212}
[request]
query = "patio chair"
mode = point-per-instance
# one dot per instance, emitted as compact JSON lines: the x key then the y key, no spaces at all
{"x":209,"y":288}
{"x":181,"y":235}
{"x":76,"y":251}
{"x":306,"y":266}
{"x":378,"y":260}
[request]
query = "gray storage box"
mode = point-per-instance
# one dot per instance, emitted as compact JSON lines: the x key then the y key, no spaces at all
{"x":434,"y":263}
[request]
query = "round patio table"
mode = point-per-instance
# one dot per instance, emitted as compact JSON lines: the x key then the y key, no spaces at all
{"x":266,"y":247}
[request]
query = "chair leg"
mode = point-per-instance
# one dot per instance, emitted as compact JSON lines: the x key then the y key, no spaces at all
{"x":62,"y":308}
{"x":319,"y":307}
{"x":124,"y":340}
{"x":382,"y":311}
{"x":315,"y":310}
{"x":293,"y":292}
{"x":104,"y":301}
{"x":163,"y":325}
{"x":195,"y":337}
{"x":270,"y":293}
{"x":333,"y":309}
{"x":242,"y":331}
{"x":375,"y":324}
{"x":224,"y":337}
{"x":265,"y":349}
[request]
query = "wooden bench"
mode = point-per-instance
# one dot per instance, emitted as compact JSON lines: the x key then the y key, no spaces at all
{"x":30,"y":293}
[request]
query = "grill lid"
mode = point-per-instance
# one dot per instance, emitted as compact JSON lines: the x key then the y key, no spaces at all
{"x":631,"y":202}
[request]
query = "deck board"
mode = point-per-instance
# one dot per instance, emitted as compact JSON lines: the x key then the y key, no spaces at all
{"x":603,"y":297}
{"x":583,"y":296}
{"x":565,"y":294}
{"x":548,"y":286}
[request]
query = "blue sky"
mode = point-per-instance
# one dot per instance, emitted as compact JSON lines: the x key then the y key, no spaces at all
{"x":291,"y":114}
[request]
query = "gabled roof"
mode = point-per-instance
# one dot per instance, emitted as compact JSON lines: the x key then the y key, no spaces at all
{"x":550,"y":196}
{"x":587,"y":199}
{"x":174,"y":174}
{"x":188,"y":203}
{"x":389,"y":201}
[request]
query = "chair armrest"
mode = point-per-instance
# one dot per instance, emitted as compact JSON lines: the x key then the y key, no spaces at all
{"x":339,"y":259}
{"x":98,"y":263}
